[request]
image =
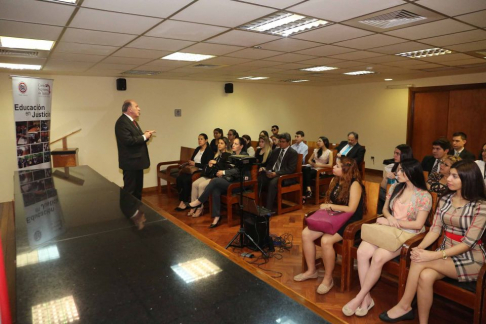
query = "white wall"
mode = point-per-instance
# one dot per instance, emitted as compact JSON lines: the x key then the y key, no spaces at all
{"x":93,"y":104}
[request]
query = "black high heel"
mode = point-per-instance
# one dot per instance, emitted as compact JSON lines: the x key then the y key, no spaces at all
{"x":215,"y":225}
{"x":405,"y":317}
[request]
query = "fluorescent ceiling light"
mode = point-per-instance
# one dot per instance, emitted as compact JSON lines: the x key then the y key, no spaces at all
{"x":284,"y":24}
{"x":19,"y":66}
{"x":319,"y":68}
{"x":63,"y":1}
{"x":26,"y":43}
{"x":425,"y":53}
{"x":187,"y":57}
{"x":388,"y":79}
{"x":252,"y":78}
{"x":295,"y":81}
{"x":359,"y":73}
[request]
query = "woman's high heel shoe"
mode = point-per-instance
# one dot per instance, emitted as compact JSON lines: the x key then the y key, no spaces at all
{"x":215,"y":224}
{"x":191,"y":212}
{"x":199,"y":211}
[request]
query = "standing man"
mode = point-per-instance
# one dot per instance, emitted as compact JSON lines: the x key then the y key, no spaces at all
{"x":300,"y":146}
{"x":440,"y":148}
{"x":459,"y":140}
{"x":351,"y":148}
{"x":133,"y":155}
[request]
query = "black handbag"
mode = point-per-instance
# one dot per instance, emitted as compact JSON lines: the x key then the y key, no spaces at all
{"x":210,"y":171}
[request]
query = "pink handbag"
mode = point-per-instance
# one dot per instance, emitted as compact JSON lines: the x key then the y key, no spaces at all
{"x":327,"y":221}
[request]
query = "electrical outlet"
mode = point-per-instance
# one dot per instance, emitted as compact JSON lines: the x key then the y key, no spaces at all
{"x":178,"y":112}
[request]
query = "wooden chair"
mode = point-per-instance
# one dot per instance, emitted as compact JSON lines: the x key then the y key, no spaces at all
{"x":170,"y":178}
{"x":294,"y":190}
{"x":324,"y":182}
{"x":342,"y":248}
{"x":230,"y":198}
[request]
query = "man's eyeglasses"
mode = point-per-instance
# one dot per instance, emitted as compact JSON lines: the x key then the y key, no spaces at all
{"x":274,"y":129}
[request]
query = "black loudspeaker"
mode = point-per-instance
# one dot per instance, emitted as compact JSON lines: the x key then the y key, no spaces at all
{"x":257,"y":227}
{"x":228,"y":88}
{"x":121,"y":84}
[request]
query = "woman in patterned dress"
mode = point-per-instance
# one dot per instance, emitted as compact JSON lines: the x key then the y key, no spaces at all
{"x":462,"y":215}
{"x":437,"y":181}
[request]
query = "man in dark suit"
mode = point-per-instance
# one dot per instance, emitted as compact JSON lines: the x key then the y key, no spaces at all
{"x":459,"y":140}
{"x":282,"y":161}
{"x":133,"y":155}
{"x":351,"y":148}
{"x":440,"y":148}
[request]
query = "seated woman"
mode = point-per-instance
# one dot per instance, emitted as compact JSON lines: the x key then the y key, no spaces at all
{"x":232,"y":134}
{"x":220,"y":184}
{"x":321,"y":158}
{"x":402,"y":152}
{"x":461,"y":214}
{"x":219,"y":163}
{"x":217,"y":133}
{"x":264,"y":150}
{"x":437,"y":181}
{"x":275,"y":141}
{"x":406,"y":207}
{"x":263,"y":133}
{"x":201,"y":156}
{"x":482,"y":162}
{"x":346,"y":194}
{"x":249,"y":149}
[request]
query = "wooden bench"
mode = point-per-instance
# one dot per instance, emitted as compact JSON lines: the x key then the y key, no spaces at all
{"x":165,"y":174}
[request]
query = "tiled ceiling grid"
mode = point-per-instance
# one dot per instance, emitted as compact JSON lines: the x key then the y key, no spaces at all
{"x":109,"y":37}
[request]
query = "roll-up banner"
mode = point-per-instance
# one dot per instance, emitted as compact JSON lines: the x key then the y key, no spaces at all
{"x":32,"y":99}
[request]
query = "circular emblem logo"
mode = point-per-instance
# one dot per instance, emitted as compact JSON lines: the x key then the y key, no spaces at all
{"x":37,"y":235}
{"x":22,"y":87}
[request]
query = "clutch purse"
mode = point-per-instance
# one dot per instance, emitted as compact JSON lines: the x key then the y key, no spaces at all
{"x":386,"y":237}
{"x":327,"y":221}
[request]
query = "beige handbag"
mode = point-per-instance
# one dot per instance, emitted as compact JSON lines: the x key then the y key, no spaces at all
{"x":386,"y":237}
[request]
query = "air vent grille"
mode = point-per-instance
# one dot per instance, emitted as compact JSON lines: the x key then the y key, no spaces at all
{"x":8,"y":52}
{"x":393,"y":19}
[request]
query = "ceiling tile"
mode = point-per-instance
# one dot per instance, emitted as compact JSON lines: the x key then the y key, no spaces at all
{"x":290,"y":66}
{"x":162,"y":44}
{"x":36,"y":12}
{"x":211,"y":49}
{"x":58,"y":65}
{"x":185,"y":30}
{"x":425,"y":66}
{"x":476,"y":18}
{"x":346,"y":9}
{"x":279,"y":4}
{"x":289,"y":45}
{"x":400,"y":48}
{"x":149,"y":67}
{"x":112,"y":22}
{"x":141,"y":53}
{"x":321,"y":61}
{"x":446,"y":58}
{"x":25,"y":30}
{"x":126,"y":60}
{"x":332,"y":34}
{"x":253,"y":53}
{"x":168,"y":63}
{"x":467,"y":47}
{"x":354,"y":55}
{"x":210,"y":12}
{"x":95,"y":37}
{"x":348,"y":64}
{"x":454,"y":7}
{"x":242,"y":38}
{"x":472,"y":60}
{"x":259,"y":63}
{"x":76,"y":57}
{"x":153,"y":8}
{"x":436,"y":28}
{"x":325,"y":50}
{"x":410,"y":63}
{"x":223,"y":60}
{"x":383,"y":59}
{"x":291,"y":57}
{"x":84,"y":48}
{"x":110,"y":66}
{"x":370,"y":41}
{"x":458,"y":38}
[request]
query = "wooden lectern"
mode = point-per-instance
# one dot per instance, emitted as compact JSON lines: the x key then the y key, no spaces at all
{"x":65,"y":157}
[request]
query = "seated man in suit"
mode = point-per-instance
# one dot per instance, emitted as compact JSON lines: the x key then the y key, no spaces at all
{"x":459,"y":140}
{"x":351,"y":148}
{"x":300,"y":146}
{"x":440,"y":148}
{"x":282,"y":161}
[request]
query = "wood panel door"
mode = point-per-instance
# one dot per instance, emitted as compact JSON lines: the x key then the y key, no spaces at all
{"x":429,"y":121}
{"x":467,"y":113}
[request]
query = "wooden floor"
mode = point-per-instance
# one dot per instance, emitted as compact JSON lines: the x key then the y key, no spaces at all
{"x":287,"y":263}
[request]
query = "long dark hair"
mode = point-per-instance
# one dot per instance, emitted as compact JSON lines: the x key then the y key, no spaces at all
{"x":472,"y":181}
{"x":414,"y":172}
{"x":405,"y":154}
{"x":480,"y":157}
{"x":326,"y":144}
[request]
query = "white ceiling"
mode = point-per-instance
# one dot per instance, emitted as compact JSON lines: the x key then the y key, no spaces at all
{"x":109,"y":37}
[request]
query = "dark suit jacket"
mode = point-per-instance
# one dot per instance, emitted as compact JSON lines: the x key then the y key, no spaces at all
{"x":466,"y":155}
{"x":289,"y":161}
{"x":207,"y":156}
{"x":428,"y":163}
{"x":132,"y":149}
{"x":357,"y":152}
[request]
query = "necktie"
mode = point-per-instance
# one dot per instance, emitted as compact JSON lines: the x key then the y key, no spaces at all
{"x":436,"y":166}
{"x":347,"y":150}
{"x":456,"y":153}
{"x":279,"y":161}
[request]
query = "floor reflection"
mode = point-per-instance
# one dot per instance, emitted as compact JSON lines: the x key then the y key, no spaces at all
{"x":56,"y":311}
{"x":196,"y":269}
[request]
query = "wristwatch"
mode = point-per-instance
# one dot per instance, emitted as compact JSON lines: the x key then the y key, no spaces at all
{"x":444,"y":255}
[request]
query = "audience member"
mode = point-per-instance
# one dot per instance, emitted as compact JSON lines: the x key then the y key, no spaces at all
{"x":406,"y":207}
{"x":275,"y":140}
{"x":346,"y":193}
{"x":300,"y":146}
{"x":437,"y":181}
{"x":264,"y":133}
{"x":351,"y":148}
{"x":459,"y":140}
{"x":249,"y":149}
{"x":201,"y":156}
{"x":264,"y":150}
{"x":440,"y":148}
{"x":482,"y":162}
{"x":461,"y":215}
{"x":217,"y":133}
{"x":275,"y":130}
{"x":232,"y":134}
{"x":322,"y":157}
{"x":282,"y":161}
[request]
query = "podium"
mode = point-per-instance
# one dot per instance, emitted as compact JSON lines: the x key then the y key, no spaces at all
{"x":65,"y":157}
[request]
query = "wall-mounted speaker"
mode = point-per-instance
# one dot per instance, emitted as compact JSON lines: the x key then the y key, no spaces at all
{"x":228,"y":88}
{"x":121,"y":84}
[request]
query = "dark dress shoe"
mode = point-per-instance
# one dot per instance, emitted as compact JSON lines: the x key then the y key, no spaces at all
{"x":215,"y":225}
{"x":405,"y":317}
{"x":180,"y":209}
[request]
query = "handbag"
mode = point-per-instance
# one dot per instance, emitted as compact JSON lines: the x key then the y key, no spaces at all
{"x":386,"y":237}
{"x":210,"y":171}
{"x":327,"y":221}
{"x":189,"y":169}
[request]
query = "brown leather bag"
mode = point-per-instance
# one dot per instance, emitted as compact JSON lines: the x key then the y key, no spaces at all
{"x":189,"y":169}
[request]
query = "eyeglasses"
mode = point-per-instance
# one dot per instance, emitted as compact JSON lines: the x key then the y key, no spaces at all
{"x":274,"y":129}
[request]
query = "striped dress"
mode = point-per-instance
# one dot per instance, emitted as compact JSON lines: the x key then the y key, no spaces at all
{"x":469,"y":222}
